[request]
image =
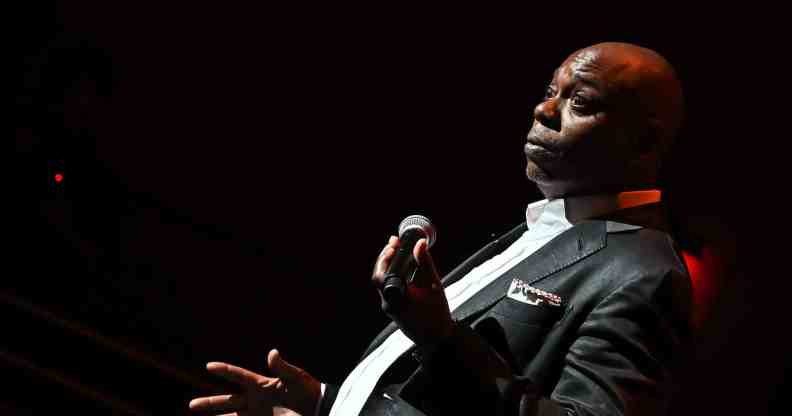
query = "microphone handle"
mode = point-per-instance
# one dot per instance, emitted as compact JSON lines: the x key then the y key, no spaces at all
{"x":401,"y":268}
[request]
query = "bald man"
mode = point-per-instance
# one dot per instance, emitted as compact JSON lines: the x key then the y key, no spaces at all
{"x":583,"y":309}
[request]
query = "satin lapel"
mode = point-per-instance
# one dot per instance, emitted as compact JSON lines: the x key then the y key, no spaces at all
{"x":494,"y":247}
{"x":571,"y":246}
{"x":491,"y":249}
{"x":380,"y":338}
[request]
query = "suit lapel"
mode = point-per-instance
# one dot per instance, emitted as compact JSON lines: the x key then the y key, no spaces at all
{"x":570,"y":247}
{"x":491,"y":249}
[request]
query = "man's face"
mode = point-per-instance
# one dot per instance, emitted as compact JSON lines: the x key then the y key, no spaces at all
{"x":581,"y":139}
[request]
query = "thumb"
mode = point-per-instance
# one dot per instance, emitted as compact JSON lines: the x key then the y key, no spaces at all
{"x":426,"y":272}
{"x":280,"y":367}
{"x":421,"y":252}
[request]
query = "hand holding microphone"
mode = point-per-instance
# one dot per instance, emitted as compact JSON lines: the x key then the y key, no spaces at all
{"x":402,"y":266}
{"x":409,"y":284}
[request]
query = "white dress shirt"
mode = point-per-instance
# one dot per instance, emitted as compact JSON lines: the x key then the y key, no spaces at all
{"x":545,"y":219}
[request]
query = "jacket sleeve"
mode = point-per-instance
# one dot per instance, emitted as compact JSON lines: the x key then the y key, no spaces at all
{"x":619,"y":361}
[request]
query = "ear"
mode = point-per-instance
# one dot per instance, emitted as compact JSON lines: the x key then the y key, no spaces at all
{"x":648,"y":142}
{"x":648,"y":150}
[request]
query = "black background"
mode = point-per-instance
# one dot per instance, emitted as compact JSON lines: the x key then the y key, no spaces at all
{"x":231,"y":173}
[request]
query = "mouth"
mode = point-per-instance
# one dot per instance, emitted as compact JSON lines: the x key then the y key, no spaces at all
{"x":536,"y":149}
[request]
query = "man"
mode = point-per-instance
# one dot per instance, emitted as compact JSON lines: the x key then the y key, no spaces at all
{"x":583,"y":309}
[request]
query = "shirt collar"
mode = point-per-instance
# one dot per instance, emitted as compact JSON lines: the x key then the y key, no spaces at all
{"x":578,"y":208}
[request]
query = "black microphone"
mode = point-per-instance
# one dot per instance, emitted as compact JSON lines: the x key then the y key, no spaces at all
{"x":402,"y":266}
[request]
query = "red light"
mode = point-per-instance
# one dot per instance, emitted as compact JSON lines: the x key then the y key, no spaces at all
{"x":705,"y":270}
{"x":58,"y":177}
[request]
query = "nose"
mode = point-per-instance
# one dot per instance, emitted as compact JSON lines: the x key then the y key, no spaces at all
{"x":547,"y":113}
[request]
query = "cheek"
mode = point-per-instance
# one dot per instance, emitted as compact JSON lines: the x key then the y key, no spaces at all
{"x":584,"y":133}
{"x":597,"y":135}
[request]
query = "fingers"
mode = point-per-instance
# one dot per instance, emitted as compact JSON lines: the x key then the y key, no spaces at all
{"x":222,"y":403}
{"x":420,"y":251}
{"x":383,"y":261}
{"x":426,"y":274}
{"x":393,"y":241}
{"x":236,"y":374}
{"x":281,"y":368}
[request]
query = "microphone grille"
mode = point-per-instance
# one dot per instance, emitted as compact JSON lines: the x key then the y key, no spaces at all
{"x":422,"y":223}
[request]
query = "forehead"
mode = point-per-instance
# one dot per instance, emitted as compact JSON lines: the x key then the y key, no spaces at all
{"x":585,"y":60}
{"x":591,"y":66}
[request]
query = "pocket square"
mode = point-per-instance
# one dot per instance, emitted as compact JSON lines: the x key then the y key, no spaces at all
{"x":522,"y":292}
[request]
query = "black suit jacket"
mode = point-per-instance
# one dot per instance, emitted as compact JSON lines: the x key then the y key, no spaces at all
{"x":612,"y":348}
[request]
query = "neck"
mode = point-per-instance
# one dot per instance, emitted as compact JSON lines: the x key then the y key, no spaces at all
{"x":570,"y":190}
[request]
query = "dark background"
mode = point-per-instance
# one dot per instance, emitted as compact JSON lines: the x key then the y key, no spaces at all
{"x":231,"y":172}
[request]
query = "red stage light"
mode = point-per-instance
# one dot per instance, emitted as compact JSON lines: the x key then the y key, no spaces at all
{"x":705,"y":269}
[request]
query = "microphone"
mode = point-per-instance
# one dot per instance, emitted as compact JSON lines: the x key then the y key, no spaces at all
{"x":402,"y":266}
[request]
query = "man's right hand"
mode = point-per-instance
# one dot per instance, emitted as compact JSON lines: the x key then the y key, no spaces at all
{"x":292,"y":388}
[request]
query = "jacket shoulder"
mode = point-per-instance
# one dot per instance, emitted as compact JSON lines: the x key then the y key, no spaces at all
{"x":647,"y":247}
{"x":643,"y":253}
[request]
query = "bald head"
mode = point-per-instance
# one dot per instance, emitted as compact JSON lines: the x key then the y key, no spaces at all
{"x":609,"y":115}
{"x":646,"y":77}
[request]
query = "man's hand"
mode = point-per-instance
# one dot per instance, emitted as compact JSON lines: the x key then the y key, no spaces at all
{"x":292,"y":388}
{"x":425,"y":317}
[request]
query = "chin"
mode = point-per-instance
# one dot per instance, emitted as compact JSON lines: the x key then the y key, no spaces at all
{"x":536,"y":174}
{"x":549,"y":187}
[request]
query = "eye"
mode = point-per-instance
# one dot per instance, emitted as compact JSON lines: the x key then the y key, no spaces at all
{"x":584,"y":104}
{"x":579,"y":101}
{"x":549,"y":93}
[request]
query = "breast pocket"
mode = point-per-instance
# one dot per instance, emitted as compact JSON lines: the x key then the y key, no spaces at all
{"x":542,"y":315}
{"x":520,"y":327}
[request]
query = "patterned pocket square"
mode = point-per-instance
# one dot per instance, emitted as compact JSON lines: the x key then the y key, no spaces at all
{"x":522,"y":292}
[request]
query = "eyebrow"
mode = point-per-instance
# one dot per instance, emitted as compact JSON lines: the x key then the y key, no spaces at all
{"x":580,"y":76}
{"x":577,"y":77}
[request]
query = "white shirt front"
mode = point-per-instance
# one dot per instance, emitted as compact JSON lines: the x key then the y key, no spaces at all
{"x":545,"y":220}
